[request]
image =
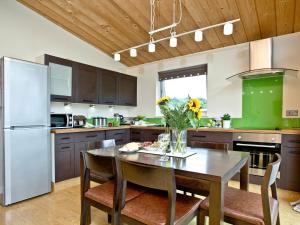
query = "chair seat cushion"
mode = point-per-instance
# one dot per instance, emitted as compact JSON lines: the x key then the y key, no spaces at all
{"x":243,"y":205}
{"x":151,"y":207}
{"x":104,"y":193}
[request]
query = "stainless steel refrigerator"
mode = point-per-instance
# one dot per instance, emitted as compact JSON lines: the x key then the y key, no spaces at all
{"x":25,"y":157}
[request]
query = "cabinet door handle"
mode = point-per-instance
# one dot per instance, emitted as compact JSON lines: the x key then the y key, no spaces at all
{"x":87,"y":100}
{"x":199,"y":136}
{"x":136,"y":132}
{"x":65,"y":138}
{"x":91,"y":136}
{"x":61,"y":98}
{"x":118,"y":134}
{"x":108,"y":102}
{"x":65,"y":147}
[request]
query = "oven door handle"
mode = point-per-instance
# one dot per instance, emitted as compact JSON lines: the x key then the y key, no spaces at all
{"x":256,"y":145}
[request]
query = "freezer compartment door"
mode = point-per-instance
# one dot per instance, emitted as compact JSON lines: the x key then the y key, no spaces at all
{"x":27,"y":163}
{"x":26,"y":94}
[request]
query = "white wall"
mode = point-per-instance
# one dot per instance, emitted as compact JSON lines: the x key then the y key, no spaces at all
{"x":287,"y":55}
{"x":26,"y":35}
{"x":223,"y":96}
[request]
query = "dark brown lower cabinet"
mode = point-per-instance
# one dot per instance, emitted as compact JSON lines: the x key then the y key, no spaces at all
{"x":141,"y":135}
{"x":290,"y":165}
{"x":120,"y":136}
{"x":64,"y":161}
{"x":196,"y":138}
{"x":67,"y":152}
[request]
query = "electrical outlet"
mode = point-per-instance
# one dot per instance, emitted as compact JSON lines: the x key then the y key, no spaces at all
{"x":292,"y":113}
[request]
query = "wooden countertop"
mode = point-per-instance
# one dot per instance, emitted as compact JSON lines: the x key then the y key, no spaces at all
{"x":76,"y":130}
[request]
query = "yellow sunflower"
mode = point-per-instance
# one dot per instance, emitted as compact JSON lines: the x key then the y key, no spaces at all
{"x":194,"y":105}
{"x":199,"y":114}
{"x":163,"y":100}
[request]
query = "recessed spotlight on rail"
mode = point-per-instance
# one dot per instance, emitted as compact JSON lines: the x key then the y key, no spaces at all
{"x":228,"y":28}
{"x":173,"y":40}
{"x":133,"y":52}
{"x":117,"y":57}
{"x":151,"y":47}
{"x":198,"y":35}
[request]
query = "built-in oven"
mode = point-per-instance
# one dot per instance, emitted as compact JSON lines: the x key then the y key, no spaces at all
{"x":61,"y":120}
{"x":261,"y":146}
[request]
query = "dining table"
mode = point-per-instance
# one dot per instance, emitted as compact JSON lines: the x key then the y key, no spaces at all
{"x":217,"y":167}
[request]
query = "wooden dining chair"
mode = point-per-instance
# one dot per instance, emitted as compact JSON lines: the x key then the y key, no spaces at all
{"x":104,"y":196}
{"x":98,"y":177}
{"x":242,"y":207}
{"x":160,"y":204}
{"x":107,"y":143}
{"x":194,"y":186}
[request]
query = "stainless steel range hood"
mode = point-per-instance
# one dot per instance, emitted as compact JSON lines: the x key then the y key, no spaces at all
{"x":261,"y":62}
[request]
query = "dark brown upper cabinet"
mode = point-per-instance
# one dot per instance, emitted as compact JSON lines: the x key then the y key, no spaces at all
{"x":61,"y":78}
{"x":127,"y":88}
{"x":109,"y":87}
{"x":86,"y":83}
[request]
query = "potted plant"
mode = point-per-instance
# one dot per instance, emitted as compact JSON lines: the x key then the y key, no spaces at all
{"x":180,"y":115}
{"x":226,"y":121}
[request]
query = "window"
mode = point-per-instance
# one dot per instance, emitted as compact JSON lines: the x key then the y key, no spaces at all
{"x":185,"y":82}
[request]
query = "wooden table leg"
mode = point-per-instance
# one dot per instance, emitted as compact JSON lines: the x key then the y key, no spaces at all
{"x":244,"y":177}
{"x":216,"y":203}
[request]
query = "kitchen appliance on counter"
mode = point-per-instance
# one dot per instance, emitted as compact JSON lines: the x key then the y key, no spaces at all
{"x":25,"y":155}
{"x":262,"y":148}
{"x":100,"y":121}
{"x":61,"y":120}
{"x":120,"y":118}
{"x":79,"y":121}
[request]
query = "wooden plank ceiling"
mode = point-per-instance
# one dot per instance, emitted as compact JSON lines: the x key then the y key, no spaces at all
{"x":112,"y":25}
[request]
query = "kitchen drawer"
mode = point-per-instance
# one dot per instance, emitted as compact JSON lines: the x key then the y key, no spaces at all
{"x":291,"y":141}
{"x":120,"y":136}
{"x":89,"y":136}
{"x":202,"y":136}
{"x":63,"y":138}
{"x":64,"y":147}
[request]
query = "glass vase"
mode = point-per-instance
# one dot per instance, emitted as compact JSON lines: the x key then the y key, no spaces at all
{"x":178,"y":141}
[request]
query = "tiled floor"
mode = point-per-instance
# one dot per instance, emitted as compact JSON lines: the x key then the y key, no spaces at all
{"x":62,"y":207}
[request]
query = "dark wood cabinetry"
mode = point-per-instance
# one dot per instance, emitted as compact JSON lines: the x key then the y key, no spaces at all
{"x":64,"y":62}
{"x":290,"y":166}
{"x":121,"y":136}
{"x":92,"y":85}
{"x":109,"y":87}
{"x":86,"y":83}
{"x":196,"y":138}
{"x":141,"y":135}
{"x":127,"y":90}
{"x":67,"y":152}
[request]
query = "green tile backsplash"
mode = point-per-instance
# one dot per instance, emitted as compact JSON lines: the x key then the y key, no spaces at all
{"x":262,"y":105}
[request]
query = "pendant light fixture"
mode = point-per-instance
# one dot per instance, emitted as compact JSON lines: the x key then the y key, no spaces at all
{"x":133,"y":52}
{"x":177,"y":6}
{"x":198,"y":35}
{"x":228,"y":28}
{"x":151,"y":47}
{"x":117,"y":57}
{"x":173,"y":40}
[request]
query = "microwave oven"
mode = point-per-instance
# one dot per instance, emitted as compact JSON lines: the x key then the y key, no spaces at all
{"x":61,"y":120}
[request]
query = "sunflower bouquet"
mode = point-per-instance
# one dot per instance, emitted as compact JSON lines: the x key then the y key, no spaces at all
{"x":180,"y":115}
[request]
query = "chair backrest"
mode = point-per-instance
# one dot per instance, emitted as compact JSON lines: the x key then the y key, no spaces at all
{"x":211,"y":145}
{"x":99,"y":164}
{"x":269,"y":181}
{"x":108,"y":143}
{"x":153,"y":177}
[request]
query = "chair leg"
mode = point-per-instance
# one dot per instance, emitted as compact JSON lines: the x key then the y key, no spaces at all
{"x":108,"y":218}
{"x":85,"y":214}
{"x":278,"y":220}
{"x":201,"y":218}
